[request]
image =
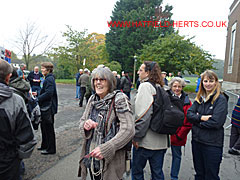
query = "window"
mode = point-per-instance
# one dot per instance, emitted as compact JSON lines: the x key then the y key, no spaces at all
{"x":231,"y":51}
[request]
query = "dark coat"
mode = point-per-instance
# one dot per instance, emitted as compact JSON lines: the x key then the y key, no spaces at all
{"x":126,"y":84}
{"x":77,"y":78}
{"x":118,"y":85}
{"x":31,"y":77}
{"x":209,"y":132}
{"x":180,"y":138}
{"x":48,"y":94}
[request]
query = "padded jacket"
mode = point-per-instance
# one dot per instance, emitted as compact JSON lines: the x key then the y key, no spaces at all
{"x":209,"y":132}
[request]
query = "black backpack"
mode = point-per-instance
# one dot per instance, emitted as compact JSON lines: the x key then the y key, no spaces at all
{"x":168,"y":114}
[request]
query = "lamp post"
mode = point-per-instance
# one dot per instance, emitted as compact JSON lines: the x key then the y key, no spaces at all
{"x":134,"y":69}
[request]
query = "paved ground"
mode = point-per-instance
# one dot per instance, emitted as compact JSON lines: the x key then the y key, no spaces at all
{"x":64,"y":165}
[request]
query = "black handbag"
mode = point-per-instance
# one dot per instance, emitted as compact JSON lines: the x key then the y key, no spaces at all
{"x":46,"y":113}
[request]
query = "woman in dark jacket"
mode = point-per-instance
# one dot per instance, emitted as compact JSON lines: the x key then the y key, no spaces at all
{"x":179,"y":139}
{"x":208,"y":114}
{"x":48,"y":103}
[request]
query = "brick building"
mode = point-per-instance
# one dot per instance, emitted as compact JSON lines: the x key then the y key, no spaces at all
{"x":231,"y":76}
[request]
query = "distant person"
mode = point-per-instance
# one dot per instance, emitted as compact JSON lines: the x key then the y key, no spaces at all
{"x":234,"y":146}
{"x":20,"y":70}
{"x":20,"y":86}
{"x":34,"y":78}
{"x":126,"y":84}
{"x":16,"y":133}
{"x":48,"y":102}
{"x":117,"y":80}
{"x":179,"y":139}
{"x":208,"y":115}
{"x":164,"y":78}
{"x":198,"y":83}
{"x":78,"y":92}
{"x":179,"y":75}
{"x":170,"y":76}
{"x":89,"y":90}
{"x":83,"y":81}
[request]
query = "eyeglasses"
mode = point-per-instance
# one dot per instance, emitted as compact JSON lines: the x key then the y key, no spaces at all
{"x":99,"y":79}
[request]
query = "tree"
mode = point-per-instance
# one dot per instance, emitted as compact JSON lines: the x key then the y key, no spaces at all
{"x":29,"y":39}
{"x":122,"y":42}
{"x":79,"y":46}
{"x":114,"y":66}
{"x":175,"y":53}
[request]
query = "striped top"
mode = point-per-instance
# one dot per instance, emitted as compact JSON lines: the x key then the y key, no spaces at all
{"x":236,"y":115}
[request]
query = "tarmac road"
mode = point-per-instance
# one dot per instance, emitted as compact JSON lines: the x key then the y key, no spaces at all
{"x":64,"y":165}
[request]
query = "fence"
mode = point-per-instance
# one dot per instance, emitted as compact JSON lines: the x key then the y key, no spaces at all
{"x":232,"y":101}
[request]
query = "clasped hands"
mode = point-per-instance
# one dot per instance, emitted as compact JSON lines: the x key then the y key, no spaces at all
{"x":88,"y":125}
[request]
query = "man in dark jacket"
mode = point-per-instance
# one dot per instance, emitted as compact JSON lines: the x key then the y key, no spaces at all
{"x":16,"y":133}
{"x":126,"y":84}
{"x":118,"y":80}
{"x":34,"y":78}
{"x":83,"y":81}
{"x":78,"y":92}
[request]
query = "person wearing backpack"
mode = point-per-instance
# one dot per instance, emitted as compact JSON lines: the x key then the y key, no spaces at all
{"x":148,"y":145}
{"x":208,"y":115}
{"x":180,"y":137}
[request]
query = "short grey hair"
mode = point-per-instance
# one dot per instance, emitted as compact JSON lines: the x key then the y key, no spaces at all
{"x":104,"y":73}
{"x":178,"y":79}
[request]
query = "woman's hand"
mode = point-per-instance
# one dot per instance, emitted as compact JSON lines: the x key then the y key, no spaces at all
{"x":89,"y":124}
{"x":205,"y":117}
{"x":96,"y":153}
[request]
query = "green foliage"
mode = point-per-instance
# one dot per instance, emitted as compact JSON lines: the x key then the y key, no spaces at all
{"x":219,"y":67}
{"x":66,"y":81}
{"x":122,"y":43}
{"x":114,"y":66}
{"x":175,"y":53}
{"x":79,"y":46}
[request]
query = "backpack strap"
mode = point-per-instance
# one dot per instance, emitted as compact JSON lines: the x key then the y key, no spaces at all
{"x":112,"y":106}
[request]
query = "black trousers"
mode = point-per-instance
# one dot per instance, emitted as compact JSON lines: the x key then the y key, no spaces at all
{"x":83,"y":91}
{"x":10,"y":170}
{"x":235,"y":138}
{"x":48,"y":135}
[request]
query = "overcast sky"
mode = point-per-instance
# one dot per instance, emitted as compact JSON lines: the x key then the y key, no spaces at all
{"x":52,"y":15}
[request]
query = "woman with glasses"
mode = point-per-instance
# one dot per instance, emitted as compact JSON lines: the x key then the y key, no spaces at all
{"x":106,"y":126}
{"x":179,"y":139}
{"x":208,"y":114}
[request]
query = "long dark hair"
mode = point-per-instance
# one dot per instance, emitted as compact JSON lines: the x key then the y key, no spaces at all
{"x":154,"y":72}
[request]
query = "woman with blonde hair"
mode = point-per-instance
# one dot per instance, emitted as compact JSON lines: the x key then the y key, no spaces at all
{"x":208,"y":114}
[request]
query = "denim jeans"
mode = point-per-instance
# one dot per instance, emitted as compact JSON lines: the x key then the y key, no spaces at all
{"x":206,"y":161}
{"x":139,"y":160}
{"x":176,"y":161}
{"x":78,"y":92}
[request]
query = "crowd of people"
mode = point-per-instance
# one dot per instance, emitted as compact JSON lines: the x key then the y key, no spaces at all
{"x":112,"y":134}
{"x":104,"y":142}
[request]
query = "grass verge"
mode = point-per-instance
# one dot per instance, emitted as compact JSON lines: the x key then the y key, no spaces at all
{"x":190,"y":88}
{"x":66,"y":81}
